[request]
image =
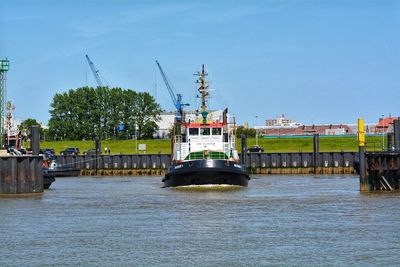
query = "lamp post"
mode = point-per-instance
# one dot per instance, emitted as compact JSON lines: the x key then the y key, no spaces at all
{"x":256,"y":131}
{"x":383,"y":135}
{"x":136,"y":129}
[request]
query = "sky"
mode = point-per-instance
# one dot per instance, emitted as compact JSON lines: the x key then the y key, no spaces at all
{"x":316,"y":62}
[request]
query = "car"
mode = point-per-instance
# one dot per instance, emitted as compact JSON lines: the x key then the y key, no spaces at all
{"x":70,"y":151}
{"x":91,"y":151}
{"x":48,"y":151}
{"x":255,"y":149}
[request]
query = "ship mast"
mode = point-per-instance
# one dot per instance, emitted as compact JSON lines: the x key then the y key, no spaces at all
{"x":203,"y":89}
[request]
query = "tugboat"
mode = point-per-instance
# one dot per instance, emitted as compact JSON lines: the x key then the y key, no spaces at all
{"x":204,"y":147}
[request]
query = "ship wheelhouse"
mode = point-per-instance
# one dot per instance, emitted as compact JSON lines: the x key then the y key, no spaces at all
{"x":212,"y":140}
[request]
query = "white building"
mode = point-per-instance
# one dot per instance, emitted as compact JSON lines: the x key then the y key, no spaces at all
{"x":165,"y":124}
{"x":281,"y":121}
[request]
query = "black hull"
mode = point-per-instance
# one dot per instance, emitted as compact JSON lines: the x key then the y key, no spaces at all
{"x":48,"y":178}
{"x":65,"y":172}
{"x":47,"y":181}
{"x":49,"y":175}
{"x":205,"y":172}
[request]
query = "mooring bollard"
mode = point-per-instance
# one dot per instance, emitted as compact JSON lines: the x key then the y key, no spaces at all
{"x":364,"y":186}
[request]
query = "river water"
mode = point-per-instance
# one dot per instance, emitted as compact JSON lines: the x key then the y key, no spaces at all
{"x":132,"y":221}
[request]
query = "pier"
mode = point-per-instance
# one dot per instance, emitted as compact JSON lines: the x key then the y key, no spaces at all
{"x":380,"y":170}
{"x":23,"y":173}
{"x":256,"y":163}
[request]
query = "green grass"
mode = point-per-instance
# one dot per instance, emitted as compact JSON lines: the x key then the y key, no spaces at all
{"x":116,"y":146}
{"x":327,"y":144}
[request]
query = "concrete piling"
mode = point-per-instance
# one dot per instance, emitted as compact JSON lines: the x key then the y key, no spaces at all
{"x":98,"y":152}
{"x":377,"y":170}
{"x":316,"y":152}
{"x":35,"y":140}
{"x":244,"y":149}
{"x":396,"y":133}
{"x":389,"y":137}
{"x":364,"y":185}
{"x":21,"y":174}
{"x":256,"y":163}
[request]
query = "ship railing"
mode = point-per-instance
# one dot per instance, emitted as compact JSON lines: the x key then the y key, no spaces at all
{"x":206,"y":155}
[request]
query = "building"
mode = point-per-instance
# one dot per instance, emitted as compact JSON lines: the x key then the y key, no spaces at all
{"x":281,"y":121}
{"x":385,"y":125}
{"x":165,"y":125}
{"x":331,"y":129}
{"x":282,"y":126}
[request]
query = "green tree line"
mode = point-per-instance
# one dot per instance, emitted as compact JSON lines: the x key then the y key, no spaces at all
{"x":87,"y":112}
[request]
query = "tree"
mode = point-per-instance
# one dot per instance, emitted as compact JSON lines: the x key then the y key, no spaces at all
{"x":26,"y":125}
{"x":86,"y":112}
{"x":250,"y":132}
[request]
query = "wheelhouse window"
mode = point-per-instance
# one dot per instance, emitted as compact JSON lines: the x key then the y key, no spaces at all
{"x":193,"y":131}
{"x":216,"y":131}
{"x":205,"y":131}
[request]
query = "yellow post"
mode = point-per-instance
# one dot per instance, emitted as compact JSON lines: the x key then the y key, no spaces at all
{"x":361,"y":134}
{"x":364,"y":186}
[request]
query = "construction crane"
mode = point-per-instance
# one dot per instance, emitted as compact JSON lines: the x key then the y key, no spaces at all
{"x":176,"y":98}
{"x":95,"y":71}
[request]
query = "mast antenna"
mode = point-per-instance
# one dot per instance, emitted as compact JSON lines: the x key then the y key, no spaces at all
{"x":204,"y":92}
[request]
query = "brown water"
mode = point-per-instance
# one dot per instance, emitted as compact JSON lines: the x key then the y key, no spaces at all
{"x":132,"y":221}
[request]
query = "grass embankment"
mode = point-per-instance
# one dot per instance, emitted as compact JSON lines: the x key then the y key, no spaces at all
{"x":117,"y":146}
{"x":327,"y":144}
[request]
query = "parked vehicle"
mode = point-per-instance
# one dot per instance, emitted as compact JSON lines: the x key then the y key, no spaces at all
{"x":70,"y":151}
{"x":49,"y":151}
{"x":255,"y":149}
{"x":91,"y":151}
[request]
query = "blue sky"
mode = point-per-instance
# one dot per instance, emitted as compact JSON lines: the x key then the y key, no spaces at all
{"x":314,"y":61}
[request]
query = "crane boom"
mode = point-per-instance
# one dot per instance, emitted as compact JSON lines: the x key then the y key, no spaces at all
{"x":168,"y":85}
{"x":176,"y":98}
{"x":95,"y":72}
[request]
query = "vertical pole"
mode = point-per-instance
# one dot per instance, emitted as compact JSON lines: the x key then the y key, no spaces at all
{"x":98,"y":151}
{"x":244,"y":149}
{"x":136,"y":130}
{"x":389,"y":137}
{"x":35,"y":139}
{"x":361,"y":146}
{"x":316,"y":152}
{"x":4,"y":67}
{"x":256,"y":132}
{"x":396,"y":127}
